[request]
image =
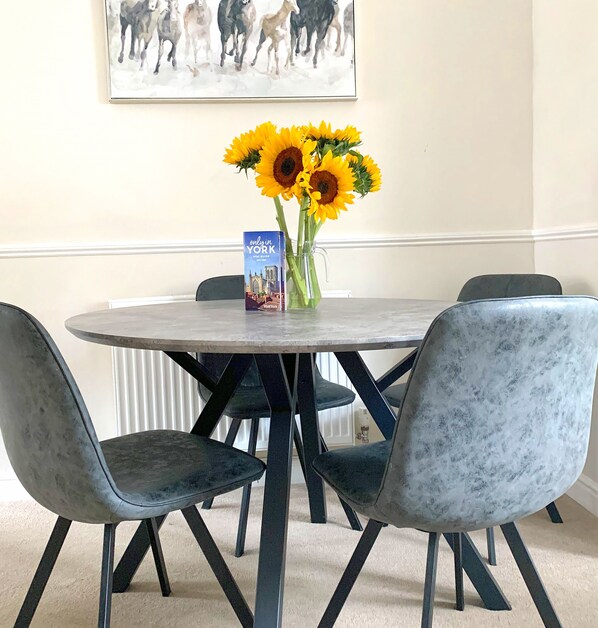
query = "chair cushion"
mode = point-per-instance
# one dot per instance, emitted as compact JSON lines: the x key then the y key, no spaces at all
{"x":355,"y":473}
{"x":394,"y":394}
{"x":251,"y":402}
{"x":159,"y":471}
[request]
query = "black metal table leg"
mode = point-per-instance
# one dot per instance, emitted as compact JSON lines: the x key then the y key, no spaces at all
{"x":233,"y":430}
{"x":227,"y":385}
{"x":479,"y":574}
{"x":204,"y":426}
{"x":273,"y":539}
{"x":367,"y":389}
{"x":219,"y":567}
{"x":310,"y":433}
{"x":352,"y":571}
{"x":530,"y":576}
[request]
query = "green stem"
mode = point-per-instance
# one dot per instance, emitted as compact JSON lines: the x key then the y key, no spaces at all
{"x":282,"y":223}
{"x":291,"y":260}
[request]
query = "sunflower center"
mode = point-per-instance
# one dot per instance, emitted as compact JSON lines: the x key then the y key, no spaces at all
{"x":287,"y":165}
{"x":326,"y":184}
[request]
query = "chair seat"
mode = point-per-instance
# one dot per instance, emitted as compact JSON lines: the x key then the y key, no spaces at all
{"x":355,"y":473}
{"x":159,"y":471}
{"x":251,"y":402}
{"x":394,"y":394}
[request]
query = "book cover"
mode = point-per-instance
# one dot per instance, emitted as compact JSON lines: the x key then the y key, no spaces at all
{"x":264,"y":253}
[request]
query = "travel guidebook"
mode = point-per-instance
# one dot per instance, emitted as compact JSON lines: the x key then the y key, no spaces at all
{"x":264,"y":270}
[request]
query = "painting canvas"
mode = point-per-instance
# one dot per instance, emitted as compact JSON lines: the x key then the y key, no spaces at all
{"x":231,"y":49}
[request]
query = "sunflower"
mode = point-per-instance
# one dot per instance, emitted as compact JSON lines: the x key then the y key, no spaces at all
{"x":283,"y":159}
{"x":349,"y":134}
{"x":329,"y":186}
{"x":368,"y":177}
{"x":340,"y":142}
{"x":322,"y":132}
{"x":244,"y":151}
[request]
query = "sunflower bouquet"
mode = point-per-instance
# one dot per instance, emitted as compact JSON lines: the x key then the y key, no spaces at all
{"x":318,"y":168}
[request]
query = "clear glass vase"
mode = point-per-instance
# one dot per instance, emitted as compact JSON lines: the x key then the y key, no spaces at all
{"x":303,"y":287}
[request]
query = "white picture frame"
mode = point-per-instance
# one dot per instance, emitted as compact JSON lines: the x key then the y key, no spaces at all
{"x":145,"y":66}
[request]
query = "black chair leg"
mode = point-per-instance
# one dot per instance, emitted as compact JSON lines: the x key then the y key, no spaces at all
{"x":154,"y":536}
{"x":458,"y":554}
{"x":107,"y":575}
{"x":530,"y":576}
{"x":299,"y":448}
{"x":218,"y":565}
{"x":491,"y":546}
{"x":362,"y":551}
{"x":44,"y":570}
{"x":233,"y":430}
{"x":242,"y":530}
{"x":349,"y":512}
{"x":553,"y":513}
{"x":430,"y":586}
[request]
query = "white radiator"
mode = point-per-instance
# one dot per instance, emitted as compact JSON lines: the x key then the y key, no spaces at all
{"x":152,"y":392}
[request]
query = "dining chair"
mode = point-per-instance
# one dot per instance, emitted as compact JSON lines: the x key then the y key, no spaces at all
{"x":250,"y":402}
{"x":54,"y":450}
{"x":499,"y":286}
{"x":493,"y":426}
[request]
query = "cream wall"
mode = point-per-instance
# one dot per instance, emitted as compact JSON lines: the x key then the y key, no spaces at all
{"x":566,"y":159}
{"x":445,"y":106}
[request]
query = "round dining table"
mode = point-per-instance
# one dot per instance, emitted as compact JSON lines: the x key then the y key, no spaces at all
{"x":282,"y":345}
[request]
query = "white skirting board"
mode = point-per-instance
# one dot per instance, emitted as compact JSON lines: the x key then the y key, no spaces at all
{"x":585,"y":493}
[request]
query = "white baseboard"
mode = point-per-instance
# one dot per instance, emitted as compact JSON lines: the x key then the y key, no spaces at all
{"x":11,"y":490}
{"x":585,"y":493}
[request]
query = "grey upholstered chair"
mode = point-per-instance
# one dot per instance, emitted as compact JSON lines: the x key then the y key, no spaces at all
{"x":494,"y":425}
{"x":493,"y":287}
{"x":56,"y":455}
{"x":497,"y":287}
{"x":249,"y":402}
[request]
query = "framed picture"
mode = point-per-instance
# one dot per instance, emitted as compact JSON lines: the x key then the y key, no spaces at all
{"x":193,"y":50}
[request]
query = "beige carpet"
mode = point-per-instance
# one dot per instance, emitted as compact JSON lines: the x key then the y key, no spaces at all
{"x":388,"y":593}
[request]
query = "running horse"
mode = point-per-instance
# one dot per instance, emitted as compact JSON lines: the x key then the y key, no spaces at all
{"x":226,"y":24}
{"x":170,"y":28}
{"x":141,"y":16}
{"x":243,"y":15}
{"x":197,"y":19}
{"x":274,"y":27}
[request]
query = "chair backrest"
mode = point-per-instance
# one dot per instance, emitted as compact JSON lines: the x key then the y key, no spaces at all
{"x":508,"y":286}
{"x":47,"y":431}
{"x":223,"y":288}
{"x":496,"y":416}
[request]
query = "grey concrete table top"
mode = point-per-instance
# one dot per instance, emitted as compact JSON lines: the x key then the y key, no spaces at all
{"x":225,"y":326}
